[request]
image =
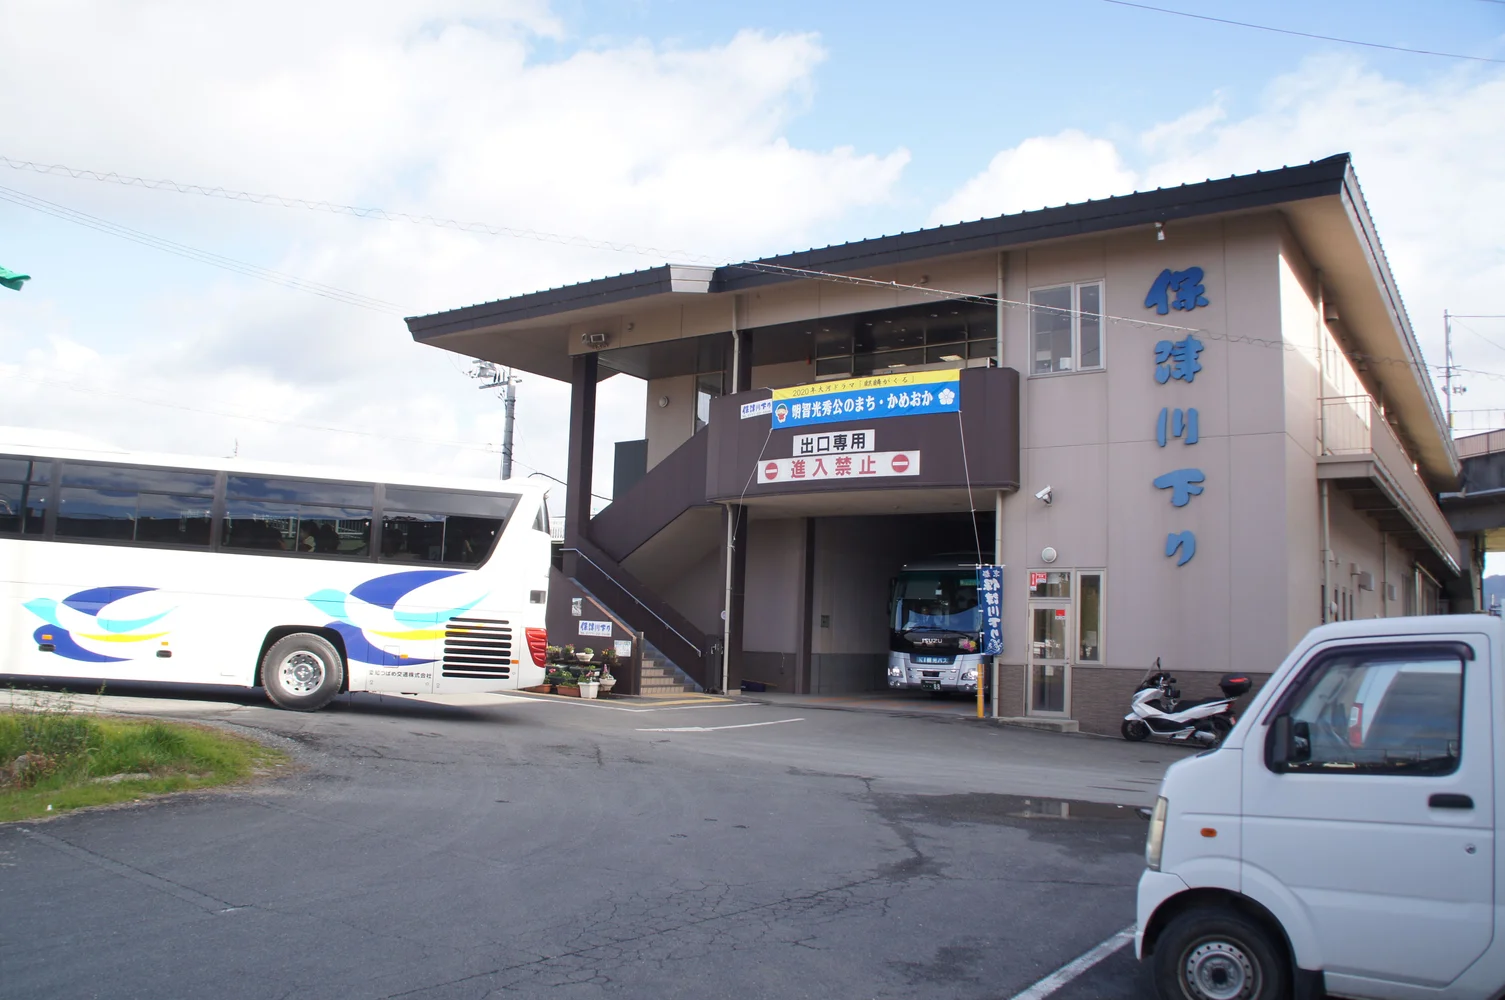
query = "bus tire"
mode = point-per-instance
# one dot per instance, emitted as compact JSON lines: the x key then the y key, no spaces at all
{"x":302,"y":672}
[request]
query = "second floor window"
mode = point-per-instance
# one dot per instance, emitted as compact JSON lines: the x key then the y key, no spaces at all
{"x":1066,"y":328}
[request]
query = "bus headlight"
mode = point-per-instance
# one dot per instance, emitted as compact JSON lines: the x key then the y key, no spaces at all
{"x":895,"y":672}
{"x":970,"y":675}
{"x":1155,"y":842}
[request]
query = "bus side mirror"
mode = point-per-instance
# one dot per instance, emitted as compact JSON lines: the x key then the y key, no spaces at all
{"x":1288,"y":743}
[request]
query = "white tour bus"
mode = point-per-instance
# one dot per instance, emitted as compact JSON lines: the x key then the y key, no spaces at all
{"x":124,"y":566}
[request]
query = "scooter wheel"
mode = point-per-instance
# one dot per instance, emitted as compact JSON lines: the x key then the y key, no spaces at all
{"x":1134,"y":730}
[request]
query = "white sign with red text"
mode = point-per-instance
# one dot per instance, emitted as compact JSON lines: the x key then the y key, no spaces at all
{"x":859,"y":466}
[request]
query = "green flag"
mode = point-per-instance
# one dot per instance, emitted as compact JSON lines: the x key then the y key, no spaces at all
{"x":10,"y":279}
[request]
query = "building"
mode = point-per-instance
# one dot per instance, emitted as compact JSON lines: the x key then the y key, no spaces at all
{"x":1192,"y":423}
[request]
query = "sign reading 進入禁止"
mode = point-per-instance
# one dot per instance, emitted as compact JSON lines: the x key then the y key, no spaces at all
{"x":870,"y":465}
{"x":835,"y":443}
{"x":905,"y":393}
{"x":990,"y":589}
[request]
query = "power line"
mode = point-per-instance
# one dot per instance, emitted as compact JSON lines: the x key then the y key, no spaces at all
{"x":67,"y":214}
{"x":334,"y":208}
{"x":1303,"y":34}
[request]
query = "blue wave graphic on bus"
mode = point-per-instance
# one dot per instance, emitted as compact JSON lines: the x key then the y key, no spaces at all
{"x":86,"y":616}
{"x":376,"y":614}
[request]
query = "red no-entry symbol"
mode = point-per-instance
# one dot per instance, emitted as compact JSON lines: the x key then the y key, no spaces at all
{"x":900,"y":463}
{"x":771,"y":470}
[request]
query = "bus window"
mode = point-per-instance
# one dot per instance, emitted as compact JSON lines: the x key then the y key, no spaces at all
{"x":409,"y":536}
{"x":123,"y":504}
{"x":23,"y":495}
{"x":295,"y":515}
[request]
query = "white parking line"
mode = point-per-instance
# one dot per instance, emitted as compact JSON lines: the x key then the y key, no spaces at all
{"x":1076,"y":966}
{"x":712,"y":729}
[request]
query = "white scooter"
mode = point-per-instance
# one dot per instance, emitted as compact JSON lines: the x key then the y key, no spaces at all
{"x":1157,"y":710}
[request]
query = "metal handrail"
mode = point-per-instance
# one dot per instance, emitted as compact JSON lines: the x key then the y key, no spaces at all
{"x":655,"y":614}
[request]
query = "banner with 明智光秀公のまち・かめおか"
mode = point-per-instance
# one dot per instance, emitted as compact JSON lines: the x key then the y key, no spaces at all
{"x":897,"y":395}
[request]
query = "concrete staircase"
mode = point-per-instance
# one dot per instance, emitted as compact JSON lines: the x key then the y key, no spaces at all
{"x":662,"y":679}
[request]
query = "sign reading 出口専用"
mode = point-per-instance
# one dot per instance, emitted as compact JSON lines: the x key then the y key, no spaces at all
{"x":868,"y":397}
{"x":835,"y":443}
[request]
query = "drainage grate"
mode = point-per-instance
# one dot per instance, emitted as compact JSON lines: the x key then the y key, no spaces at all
{"x":477,"y":647}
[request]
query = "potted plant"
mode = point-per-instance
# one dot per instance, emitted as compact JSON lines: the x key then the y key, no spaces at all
{"x":569,"y":686}
{"x":585,"y":655}
{"x":607,"y":680}
{"x":589,"y":685}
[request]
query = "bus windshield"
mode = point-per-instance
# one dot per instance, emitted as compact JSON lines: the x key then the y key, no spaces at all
{"x":936,"y":601}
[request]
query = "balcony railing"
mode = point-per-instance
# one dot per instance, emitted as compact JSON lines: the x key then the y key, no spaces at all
{"x":1353,"y":428}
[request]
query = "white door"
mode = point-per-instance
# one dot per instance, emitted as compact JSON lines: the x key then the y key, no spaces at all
{"x":1049,"y":658}
{"x":1382,"y":823}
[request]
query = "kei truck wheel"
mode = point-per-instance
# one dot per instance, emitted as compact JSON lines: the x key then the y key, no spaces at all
{"x":1134,"y":730}
{"x":1214,"y":953}
{"x":302,"y":672}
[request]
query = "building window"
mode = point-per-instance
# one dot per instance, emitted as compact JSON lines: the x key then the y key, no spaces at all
{"x":1049,"y":583}
{"x":927,"y":334}
{"x":1066,"y":328}
{"x":1090,"y":616}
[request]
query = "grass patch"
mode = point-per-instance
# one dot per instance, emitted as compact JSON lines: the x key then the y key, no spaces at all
{"x":53,"y":760}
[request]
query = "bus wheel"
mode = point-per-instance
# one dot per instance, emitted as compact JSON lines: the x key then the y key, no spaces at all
{"x":302,"y":672}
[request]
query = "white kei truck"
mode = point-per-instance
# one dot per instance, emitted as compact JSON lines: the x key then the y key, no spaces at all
{"x":1343,"y":837}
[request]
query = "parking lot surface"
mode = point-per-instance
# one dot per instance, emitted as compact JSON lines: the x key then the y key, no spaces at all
{"x":517,"y":846}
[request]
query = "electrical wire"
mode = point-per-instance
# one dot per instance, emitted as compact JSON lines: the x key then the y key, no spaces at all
{"x":24,"y":200}
{"x":1302,"y":34}
{"x":335,"y":208}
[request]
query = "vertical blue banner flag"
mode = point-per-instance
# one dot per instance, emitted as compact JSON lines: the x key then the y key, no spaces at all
{"x":990,"y":589}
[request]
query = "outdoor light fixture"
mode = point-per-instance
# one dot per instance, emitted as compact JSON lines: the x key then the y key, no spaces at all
{"x":951,"y":357}
{"x":1160,"y":231}
{"x":663,"y":401}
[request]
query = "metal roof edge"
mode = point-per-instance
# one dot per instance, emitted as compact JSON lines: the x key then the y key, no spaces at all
{"x":598,"y":291}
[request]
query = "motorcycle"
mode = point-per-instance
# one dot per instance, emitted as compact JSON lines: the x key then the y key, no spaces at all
{"x":1157,"y":709}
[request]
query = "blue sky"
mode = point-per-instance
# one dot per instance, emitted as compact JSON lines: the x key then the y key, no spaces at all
{"x":728,"y":129}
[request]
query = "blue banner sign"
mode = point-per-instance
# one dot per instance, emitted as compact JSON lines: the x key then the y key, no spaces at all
{"x":990,"y":590}
{"x":865,"y":398}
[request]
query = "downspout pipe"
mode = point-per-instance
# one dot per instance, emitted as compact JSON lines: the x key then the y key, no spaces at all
{"x":731,"y":524}
{"x":1327,"y":555}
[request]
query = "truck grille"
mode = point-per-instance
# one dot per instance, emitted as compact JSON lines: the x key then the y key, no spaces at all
{"x":477,"y":647}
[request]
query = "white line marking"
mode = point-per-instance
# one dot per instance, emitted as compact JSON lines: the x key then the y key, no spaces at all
{"x":712,"y":729}
{"x":1076,"y":966}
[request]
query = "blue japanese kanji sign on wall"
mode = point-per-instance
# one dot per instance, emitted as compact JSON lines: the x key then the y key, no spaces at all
{"x":990,"y":590}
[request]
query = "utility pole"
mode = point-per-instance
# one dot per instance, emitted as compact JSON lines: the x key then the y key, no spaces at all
{"x":506,"y":381}
{"x":1447,"y":365}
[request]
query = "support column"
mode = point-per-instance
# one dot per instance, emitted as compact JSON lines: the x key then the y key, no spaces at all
{"x":577,"y":503}
{"x":742,"y":378}
{"x":804,"y":666}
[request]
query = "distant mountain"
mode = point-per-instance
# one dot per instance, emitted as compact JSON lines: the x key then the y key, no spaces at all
{"x":1494,"y":586}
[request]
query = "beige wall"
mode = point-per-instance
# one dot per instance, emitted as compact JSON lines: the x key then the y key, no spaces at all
{"x":1091,"y":437}
{"x":772,"y":609}
{"x":668,"y":427}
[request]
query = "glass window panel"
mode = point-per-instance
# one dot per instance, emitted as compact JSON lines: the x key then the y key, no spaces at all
{"x":1050,"y":329}
{"x":891,"y":335}
{"x":946,"y":352}
{"x":468,"y":540}
{"x":982,"y":348}
{"x":1049,"y":583}
{"x":946,"y":333}
{"x":1090,"y":623}
{"x":412,"y":537}
{"x":253,"y":525}
{"x":34,"y":500}
{"x":1383,"y":716}
{"x":107,"y":477}
{"x":87,"y":513}
{"x":26,"y":469}
{"x":300,"y":491}
{"x":342,"y":531}
{"x":833,"y":366}
{"x":10,"y":508}
{"x":173,"y":520}
{"x":446,"y":502}
{"x":1091,"y":325}
{"x":866,"y":364}
{"x":832,"y":343}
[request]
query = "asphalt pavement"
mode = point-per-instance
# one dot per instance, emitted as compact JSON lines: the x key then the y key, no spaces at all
{"x":532,"y":846}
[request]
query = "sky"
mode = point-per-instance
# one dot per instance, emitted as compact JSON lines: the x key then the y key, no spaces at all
{"x":713,"y":130}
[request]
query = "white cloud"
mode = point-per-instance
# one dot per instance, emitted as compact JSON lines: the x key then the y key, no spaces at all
{"x":1039,"y":172}
{"x":442,"y":109}
{"x":1430,"y":156}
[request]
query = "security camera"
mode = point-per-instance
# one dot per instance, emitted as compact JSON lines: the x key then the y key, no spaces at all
{"x":1044,"y":495}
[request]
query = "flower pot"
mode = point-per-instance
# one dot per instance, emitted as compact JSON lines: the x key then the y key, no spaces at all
{"x":588,"y":689}
{"x":607,"y":683}
{"x":585,"y":657}
{"x":568,"y":690}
